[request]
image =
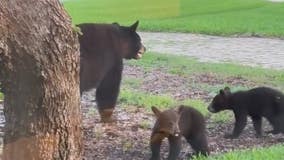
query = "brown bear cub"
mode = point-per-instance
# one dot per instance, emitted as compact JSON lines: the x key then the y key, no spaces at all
{"x":256,"y":103}
{"x":174,"y":123}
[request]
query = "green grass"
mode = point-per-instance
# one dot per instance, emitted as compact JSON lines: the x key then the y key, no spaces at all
{"x":134,"y":98}
{"x":218,"y":17}
{"x":198,"y":104}
{"x":222,"y":117}
{"x":270,"y":153}
{"x":183,"y":65}
{"x":1,"y":96}
{"x":132,"y":82}
{"x":130,"y":97}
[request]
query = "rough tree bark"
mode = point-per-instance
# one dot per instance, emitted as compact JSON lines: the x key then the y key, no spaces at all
{"x":39,"y":70}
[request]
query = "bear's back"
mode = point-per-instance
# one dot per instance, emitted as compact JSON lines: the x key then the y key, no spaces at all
{"x":261,"y":100}
{"x":191,"y":120}
{"x":97,"y":38}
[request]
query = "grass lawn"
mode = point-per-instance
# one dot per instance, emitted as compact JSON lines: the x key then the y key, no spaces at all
{"x":134,"y":98}
{"x":270,"y":153}
{"x":218,"y":17}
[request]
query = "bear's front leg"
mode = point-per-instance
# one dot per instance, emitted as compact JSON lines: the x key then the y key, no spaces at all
{"x":277,"y":123}
{"x":175,"y":147}
{"x":155,"y":144}
{"x":257,"y":121}
{"x":241,"y":121}
{"x":107,"y":93}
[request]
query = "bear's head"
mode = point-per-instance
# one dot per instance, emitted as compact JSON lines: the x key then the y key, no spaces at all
{"x":220,"y":101}
{"x":167,"y":123}
{"x":130,"y":42}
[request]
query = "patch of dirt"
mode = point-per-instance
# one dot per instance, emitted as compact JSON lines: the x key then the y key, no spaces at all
{"x":157,"y":81}
{"x":129,"y":137}
{"x":213,"y":79}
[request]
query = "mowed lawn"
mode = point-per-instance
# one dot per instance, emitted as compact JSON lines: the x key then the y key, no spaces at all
{"x":270,"y":153}
{"x":218,"y":17}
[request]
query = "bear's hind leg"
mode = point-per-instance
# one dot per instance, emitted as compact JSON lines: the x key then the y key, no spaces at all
{"x":107,"y":93}
{"x":257,"y":122}
{"x":276,"y":123}
{"x":199,"y":144}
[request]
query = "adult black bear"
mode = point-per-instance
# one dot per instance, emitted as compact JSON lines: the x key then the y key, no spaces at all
{"x":174,"y":123}
{"x":257,"y":103}
{"x":103,"y":47}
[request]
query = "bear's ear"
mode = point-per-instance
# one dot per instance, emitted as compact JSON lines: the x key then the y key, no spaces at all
{"x":180,"y":109}
{"x":115,"y":23}
{"x":221,"y":92}
{"x":156,"y":111}
{"x":134,"y":26}
{"x":227,"y":91}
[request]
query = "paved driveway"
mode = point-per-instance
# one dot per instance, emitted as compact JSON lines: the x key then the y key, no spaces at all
{"x":265,"y":52}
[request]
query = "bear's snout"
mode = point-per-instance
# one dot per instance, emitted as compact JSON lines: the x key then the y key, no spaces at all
{"x":211,"y":109}
{"x":141,"y":51}
{"x":176,"y":132}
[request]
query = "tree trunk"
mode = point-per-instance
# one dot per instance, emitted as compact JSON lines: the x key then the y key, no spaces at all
{"x":39,"y":70}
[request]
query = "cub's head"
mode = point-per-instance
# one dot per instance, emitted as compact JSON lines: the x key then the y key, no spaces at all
{"x":220,"y":101}
{"x":167,"y":123}
{"x":130,"y":41}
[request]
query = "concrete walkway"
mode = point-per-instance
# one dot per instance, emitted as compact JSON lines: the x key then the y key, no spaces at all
{"x":265,"y":52}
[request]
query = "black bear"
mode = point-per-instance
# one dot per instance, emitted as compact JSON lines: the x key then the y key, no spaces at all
{"x":257,"y":103}
{"x":174,"y":123}
{"x":102,"y":49}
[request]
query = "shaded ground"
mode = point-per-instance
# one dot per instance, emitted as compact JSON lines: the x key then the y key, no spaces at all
{"x":128,"y":138}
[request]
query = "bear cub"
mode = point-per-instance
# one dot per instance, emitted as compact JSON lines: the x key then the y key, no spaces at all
{"x":175,"y":123}
{"x":256,"y":103}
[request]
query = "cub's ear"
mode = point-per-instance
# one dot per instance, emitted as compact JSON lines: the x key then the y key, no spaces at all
{"x":156,"y":111}
{"x":227,"y":90}
{"x":180,"y":109}
{"x":134,"y":26}
{"x":115,"y":23}
{"x":221,"y":92}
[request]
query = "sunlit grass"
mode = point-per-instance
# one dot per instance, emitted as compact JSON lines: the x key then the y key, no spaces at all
{"x":1,"y":96}
{"x":270,"y":153}
{"x":218,"y":17}
{"x":141,"y":99}
{"x":130,"y":97}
